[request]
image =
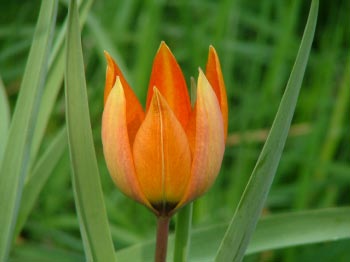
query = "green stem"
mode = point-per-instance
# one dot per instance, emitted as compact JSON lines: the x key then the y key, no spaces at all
{"x":182,"y":233}
{"x":162,"y":238}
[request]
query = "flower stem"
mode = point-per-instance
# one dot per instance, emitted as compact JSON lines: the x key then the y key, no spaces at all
{"x":162,"y":238}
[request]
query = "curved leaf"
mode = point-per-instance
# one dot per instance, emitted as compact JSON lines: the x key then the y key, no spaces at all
{"x":4,"y":116}
{"x":85,"y":175}
{"x":15,"y":162}
{"x":272,"y":232}
{"x":243,"y":223}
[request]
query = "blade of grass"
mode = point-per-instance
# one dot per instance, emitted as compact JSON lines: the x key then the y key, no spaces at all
{"x":300,"y":228}
{"x":242,"y":225}
{"x":182,"y":233}
{"x":54,"y":80}
{"x":333,"y":138}
{"x":31,"y":252}
{"x":149,"y":29}
{"x":104,"y":42}
{"x":4,"y":116}
{"x":90,"y":206}
{"x":272,"y":232}
{"x":14,"y":165}
{"x":38,"y":177}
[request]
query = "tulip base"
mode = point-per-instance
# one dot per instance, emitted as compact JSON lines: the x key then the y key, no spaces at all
{"x":162,"y":238}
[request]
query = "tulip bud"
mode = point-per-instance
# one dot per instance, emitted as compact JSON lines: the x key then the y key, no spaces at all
{"x":171,"y":153}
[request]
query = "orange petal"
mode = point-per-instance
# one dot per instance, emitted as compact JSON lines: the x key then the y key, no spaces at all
{"x":216,"y":79}
{"x":134,"y":114}
{"x":116,"y":146}
{"x":206,"y":137}
{"x":162,"y":156}
{"x":168,"y":78}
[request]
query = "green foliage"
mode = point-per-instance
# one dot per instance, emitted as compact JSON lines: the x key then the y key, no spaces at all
{"x":87,"y":189}
{"x":272,"y":232}
{"x":14,"y":164}
{"x":248,"y":211}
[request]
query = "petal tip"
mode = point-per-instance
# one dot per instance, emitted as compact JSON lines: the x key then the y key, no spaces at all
{"x":109,"y":58}
{"x":164,"y":50}
{"x":163,"y":45}
{"x":201,"y":73}
{"x":202,"y":77}
{"x":212,"y":49}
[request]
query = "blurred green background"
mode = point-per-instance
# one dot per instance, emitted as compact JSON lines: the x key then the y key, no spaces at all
{"x":257,"y":42}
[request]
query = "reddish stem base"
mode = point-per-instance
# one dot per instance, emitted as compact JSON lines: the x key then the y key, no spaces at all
{"x":162,"y":238}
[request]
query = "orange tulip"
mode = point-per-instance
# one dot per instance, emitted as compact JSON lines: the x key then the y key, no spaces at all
{"x":170,"y":153}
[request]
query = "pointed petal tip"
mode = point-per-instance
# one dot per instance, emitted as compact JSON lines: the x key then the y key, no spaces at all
{"x":163,"y":45}
{"x":216,"y":79}
{"x":156,"y":93}
{"x":155,"y":89}
{"x":212,"y":49}
{"x":164,"y":48}
{"x":118,"y":83}
{"x":201,"y":73}
{"x":109,"y":58}
{"x":168,"y":77}
{"x":202,"y":79}
{"x":110,"y":75}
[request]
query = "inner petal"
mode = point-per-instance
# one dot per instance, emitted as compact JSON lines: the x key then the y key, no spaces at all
{"x":162,"y":156}
{"x":168,"y":78}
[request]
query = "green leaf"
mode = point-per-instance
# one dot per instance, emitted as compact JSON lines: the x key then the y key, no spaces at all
{"x":14,"y":165}
{"x":43,"y":168}
{"x":103,"y":42}
{"x":242,"y":225}
{"x":38,"y":177}
{"x":42,"y":253}
{"x":182,"y":233}
{"x":4,"y":116}
{"x":272,"y":232}
{"x":54,"y":80}
{"x":299,"y":228}
{"x":85,"y":175}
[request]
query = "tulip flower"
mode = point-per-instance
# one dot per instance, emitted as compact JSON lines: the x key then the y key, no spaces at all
{"x":170,"y":153}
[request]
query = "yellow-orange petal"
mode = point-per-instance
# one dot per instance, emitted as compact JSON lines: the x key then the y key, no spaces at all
{"x":206,"y":137}
{"x":134,"y":113}
{"x":216,"y":80}
{"x":162,"y":156}
{"x":168,"y":78}
{"x":116,"y":146}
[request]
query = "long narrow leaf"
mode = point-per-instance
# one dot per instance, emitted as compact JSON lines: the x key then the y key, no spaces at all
{"x":85,"y":175}
{"x":14,"y":164}
{"x":54,"y":80}
{"x":39,"y":176}
{"x":42,"y":169}
{"x":241,"y":228}
{"x":301,"y":228}
{"x":182,"y":233}
{"x":4,"y":116}
{"x":103,"y":41}
{"x":272,"y":232}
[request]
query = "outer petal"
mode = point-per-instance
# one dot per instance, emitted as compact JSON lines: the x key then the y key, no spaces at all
{"x":134,"y":114}
{"x":216,"y":79}
{"x":168,"y":78}
{"x":116,"y":146}
{"x":206,"y":136}
{"x":162,"y":156}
